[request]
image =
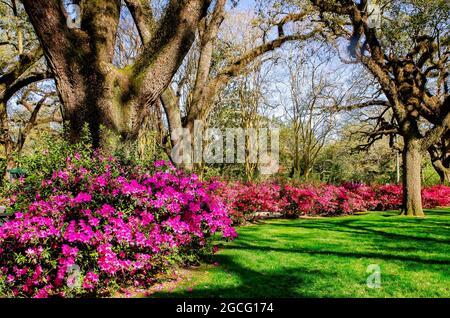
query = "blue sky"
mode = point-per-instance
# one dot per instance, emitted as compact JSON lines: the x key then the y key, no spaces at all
{"x":246,"y":4}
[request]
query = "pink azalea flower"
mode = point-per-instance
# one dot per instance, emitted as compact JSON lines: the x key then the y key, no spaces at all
{"x":83,"y":197}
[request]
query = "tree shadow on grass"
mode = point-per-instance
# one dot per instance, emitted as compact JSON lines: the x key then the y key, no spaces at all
{"x":386,"y":245}
{"x":356,"y":254}
{"x":437,"y":212}
{"x":377,"y":242}
{"x":360,"y":227}
{"x":283,"y":283}
{"x":444,"y":212}
{"x":375,"y":239}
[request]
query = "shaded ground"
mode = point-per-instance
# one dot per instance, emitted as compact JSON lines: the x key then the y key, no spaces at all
{"x":329,"y":257}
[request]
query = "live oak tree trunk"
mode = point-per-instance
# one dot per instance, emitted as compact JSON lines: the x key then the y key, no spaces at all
{"x":412,"y":162}
{"x":95,"y":92}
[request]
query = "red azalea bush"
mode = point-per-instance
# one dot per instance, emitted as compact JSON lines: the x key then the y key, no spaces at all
{"x":438,"y":195}
{"x":299,"y":200}
{"x":244,"y":199}
{"x":327,"y":199}
{"x":96,"y":226}
{"x":361,"y":196}
{"x":388,"y":197}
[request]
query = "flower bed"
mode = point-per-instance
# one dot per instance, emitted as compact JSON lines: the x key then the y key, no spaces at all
{"x":244,"y":199}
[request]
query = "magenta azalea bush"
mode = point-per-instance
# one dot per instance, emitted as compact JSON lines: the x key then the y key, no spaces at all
{"x":95,"y":226}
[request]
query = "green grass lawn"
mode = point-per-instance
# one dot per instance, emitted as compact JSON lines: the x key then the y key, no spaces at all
{"x":328,"y":257}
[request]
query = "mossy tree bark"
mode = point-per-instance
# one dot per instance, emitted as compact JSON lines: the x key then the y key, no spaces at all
{"x":91,"y":88}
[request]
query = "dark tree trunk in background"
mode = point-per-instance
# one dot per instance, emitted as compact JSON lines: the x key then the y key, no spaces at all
{"x":442,"y":171}
{"x":6,"y":140}
{"x":440,"y":158}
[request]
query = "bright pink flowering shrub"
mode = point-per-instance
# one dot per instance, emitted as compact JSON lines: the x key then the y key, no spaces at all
{"x":361,"y":196}
{"x":119,"y":226}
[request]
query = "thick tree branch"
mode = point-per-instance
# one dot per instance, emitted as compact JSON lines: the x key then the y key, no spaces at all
{"x":435,"y":134}
{"x":25,"y":81}
{"x":142,"y":14}
{"x":49,"y":20}
{"x":25,"y":62}
{"x":237,"y":67}
{"x":361,"y":105}
{"x":21,"y":74}
{"x":100,"y":20}
{"x":160,"y":60}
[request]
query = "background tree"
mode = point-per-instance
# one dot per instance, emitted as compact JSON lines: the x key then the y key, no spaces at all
{"x":37,"y":106}
{"x":221,"y":58}
{"x":410,"y":61}
{"x":21,"y":64}
{"x":314,"y":94}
